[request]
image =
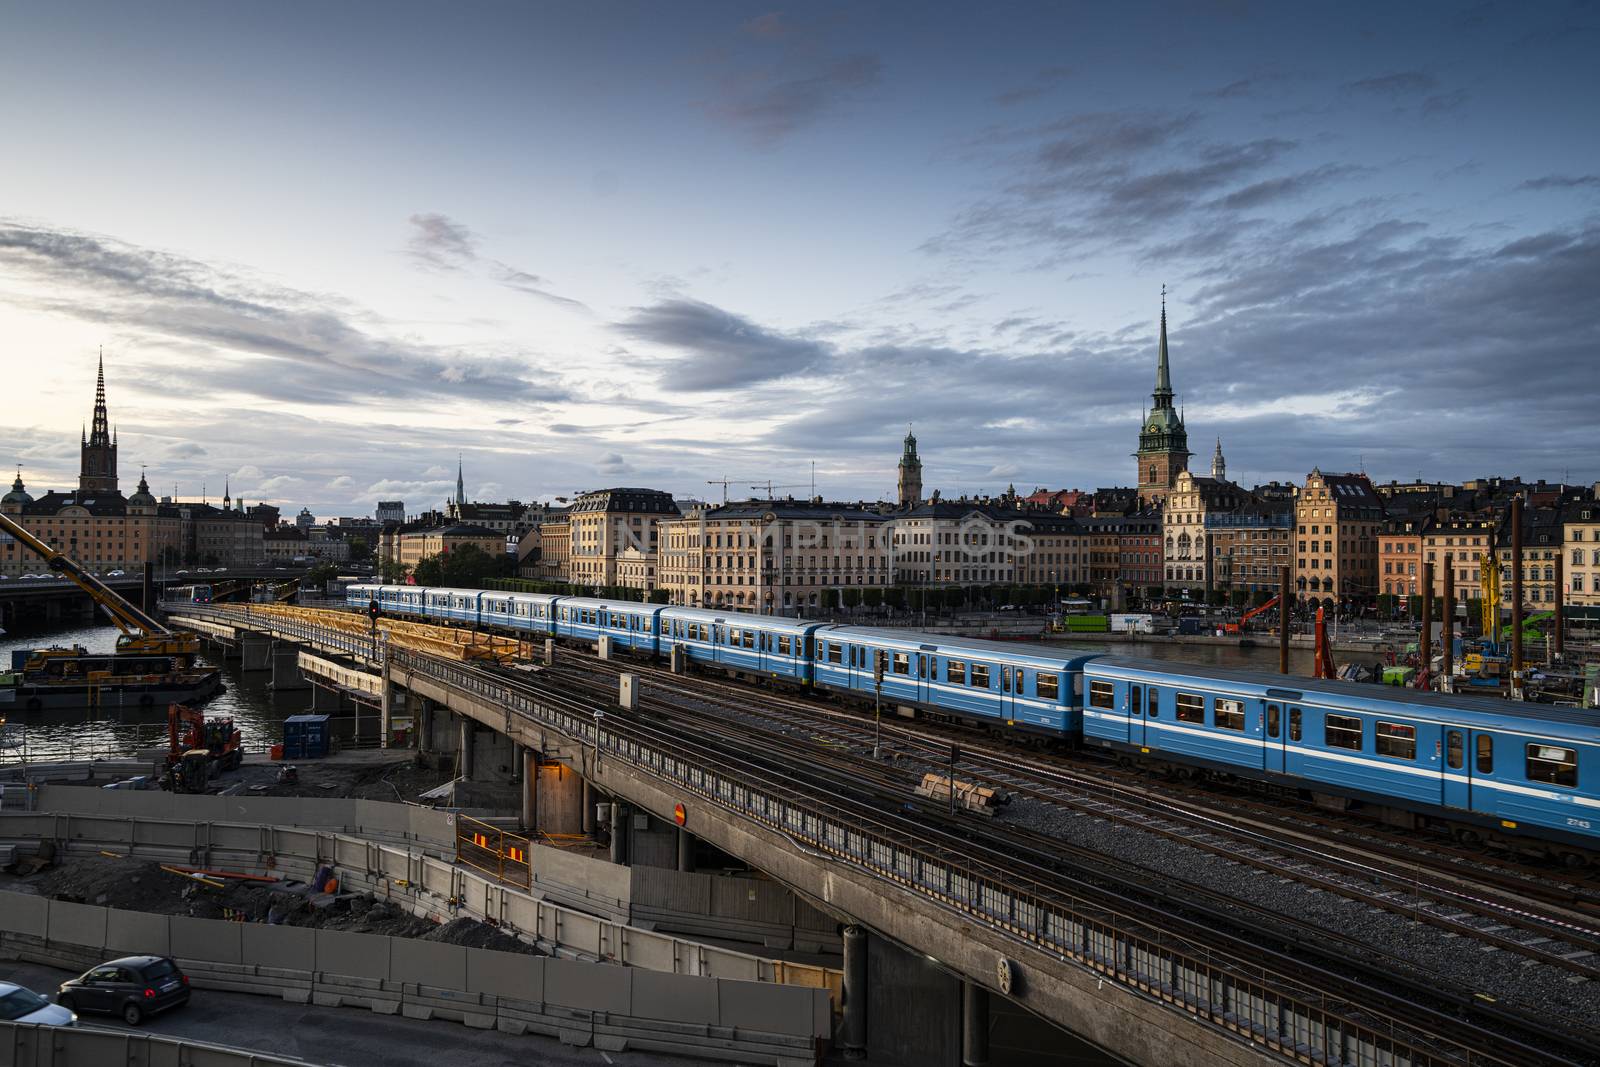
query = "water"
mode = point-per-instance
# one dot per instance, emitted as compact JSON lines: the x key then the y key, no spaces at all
{"x":77,"y":733}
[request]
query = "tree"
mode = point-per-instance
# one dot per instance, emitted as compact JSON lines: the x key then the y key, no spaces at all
{"x":429,"y":571}
{"x":872,"y":596}
{"x":392,"y":571}
{"x":851,"y":596}
{"x":895,"y":597}
{"x":359,"y":549}
{"x":468,"y":567}
{"x":659,"y":596}
{"x":319,"y":576}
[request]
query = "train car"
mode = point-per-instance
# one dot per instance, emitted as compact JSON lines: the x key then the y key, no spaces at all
{"x":191,"y":594}
{"x":526,"y":613}
{"x":400,"y":599}
{"x":1480,"y":766}
{"x":771,"y":645}
{"x":1023,"y":687}
{"x":628,"y":623}
{"x":359,"y":595}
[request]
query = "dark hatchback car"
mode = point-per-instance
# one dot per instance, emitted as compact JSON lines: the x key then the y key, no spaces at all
{"x":134,"y":987}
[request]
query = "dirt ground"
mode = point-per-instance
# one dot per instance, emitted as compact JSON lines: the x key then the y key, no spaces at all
{"x":139,"y":885}
{"x":399,"y":779}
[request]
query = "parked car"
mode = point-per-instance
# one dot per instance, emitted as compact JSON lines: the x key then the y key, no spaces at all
{"x":115,"y":574}
{"x":134,"y":987}
{"x":21,"y":1005}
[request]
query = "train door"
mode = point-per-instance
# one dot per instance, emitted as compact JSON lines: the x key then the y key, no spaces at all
{"x":925,"y":667}
{"x":716,"y":642}
{"x":1457,"y":768}
{"x":1135,"y":710}
{"x":1010,"y":681}
{"x":1274,"y":729}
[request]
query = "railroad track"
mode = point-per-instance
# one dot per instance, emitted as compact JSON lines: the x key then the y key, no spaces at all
{"x":1523,"y":920}
{"x":845,"y":778}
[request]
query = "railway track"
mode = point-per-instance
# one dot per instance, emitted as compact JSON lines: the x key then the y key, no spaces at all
{"x":1544,"y":925}
{"x":842,"y":776}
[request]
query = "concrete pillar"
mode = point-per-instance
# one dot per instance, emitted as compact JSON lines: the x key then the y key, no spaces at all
{"x":325,"y":700}
{"x":853,"y":1029}
{"x":464,"y":751}
{"x":255,"y":650}
{"x":685,"y":850}
{"x":549,"y":652}
{"x":974,"y":1025}
{"x":386,"y":710}
{"x":286,"y":667}
{"x":588,"y":807}
{"x":422,"y":721}
{"x":619,"y":832}
{"x":530,"y":790}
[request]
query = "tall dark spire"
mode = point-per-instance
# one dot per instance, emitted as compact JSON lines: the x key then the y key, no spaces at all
{"x":97,"y":469}
{"x":100,"y":433}
{"x":461,"y":485}
{"x":1163,"y":371}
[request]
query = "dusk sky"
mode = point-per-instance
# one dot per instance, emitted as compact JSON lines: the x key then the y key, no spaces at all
{"x":328,"y":247}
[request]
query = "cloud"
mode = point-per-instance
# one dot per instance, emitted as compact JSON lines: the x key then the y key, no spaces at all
{"x":341,"y":483}
{"x":1401,"y":83}
{"x":769,"y":107}
{"x":1562,"y":181}
{"x":1271,"y":190}
{"x":718,"y":349}
{"x":613,"y":463}
{"x":441,"y":243}
{"x":268,"y":342}
{"x":768,"y":27}
{"x":1040,"y":84}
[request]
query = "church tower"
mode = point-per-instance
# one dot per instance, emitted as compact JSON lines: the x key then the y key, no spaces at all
{"x":461,"y":485}
{"x":1219,"y":466}
{"x":97,"y":467}
{"x":910,"y":474}
{"x":1163,"y":443}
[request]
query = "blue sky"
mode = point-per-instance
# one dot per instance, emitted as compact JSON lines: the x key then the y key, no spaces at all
{"x":328,"y":247}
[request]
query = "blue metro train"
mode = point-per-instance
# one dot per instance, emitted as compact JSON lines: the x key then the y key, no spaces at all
{"x":1483,"y":768}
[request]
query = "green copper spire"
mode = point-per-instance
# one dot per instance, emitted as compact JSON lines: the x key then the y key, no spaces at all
{"x":1163,"y":372}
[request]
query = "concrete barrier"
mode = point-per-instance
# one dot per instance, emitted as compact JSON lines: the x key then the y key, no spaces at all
{"x":580,"y":1002}
{"x":24,"y":1045}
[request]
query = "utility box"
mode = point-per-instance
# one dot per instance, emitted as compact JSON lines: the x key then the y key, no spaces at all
{"x":628,"y":692}
{"x":679,"y":660}
{"x":602,"y":647}
{"x":306,"y":736}
{"x":549,"y":652}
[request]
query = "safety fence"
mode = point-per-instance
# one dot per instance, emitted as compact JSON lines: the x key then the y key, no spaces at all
{"x":505,"y":856}
{"x":27,"y":1045}
{"x":1272,"y":1009}
{"x":578,"y":1002}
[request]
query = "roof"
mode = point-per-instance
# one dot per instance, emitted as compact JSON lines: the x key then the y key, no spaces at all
{"x":796,"y":509}
{"x":624,"y":499}
{"x":1575,"y":723}
{"x":1031,"y":653}
{"x":778,"y":623}
{"x":95,"y":503}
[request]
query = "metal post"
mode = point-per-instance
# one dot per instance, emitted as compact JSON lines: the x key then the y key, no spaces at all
{"x":1447,"y":635}
{"x":619,"y":832}
{"x":955,"y":753}
{"x":146,"y":590}
{"x":1283,"y":620}
{"x":685,"y":850}
{"x":464,"y":753}
{"x":386,"y":705}
{"x":1516,"y":598}
{"x":1425,"y":641}
{"x":1558,"y":639}
{"x":588,"y":807}
{"x":853,"y":1030}
{"x":974,"y":1025}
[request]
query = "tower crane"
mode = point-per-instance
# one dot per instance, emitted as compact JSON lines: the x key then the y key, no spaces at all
{"x":141,"y":633}
{"x":769,"y":486}
{"x":723,"y":481}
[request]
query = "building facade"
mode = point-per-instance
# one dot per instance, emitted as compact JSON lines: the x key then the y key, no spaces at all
{"x":1187,"y":550}
{"x":1249,"y":546}
{"x":1400,"y":555}
{"x":1542,"y":542}
{"x":604,"y":522}
{"x":1338,"y":522}
{"x":1458,"y":544}
{"x":1581,"y":543}
{"x":555,"y":550}
{"x":910,"y":482}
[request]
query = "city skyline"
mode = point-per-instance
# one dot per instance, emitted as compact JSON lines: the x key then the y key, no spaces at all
{"x":653,"y":250}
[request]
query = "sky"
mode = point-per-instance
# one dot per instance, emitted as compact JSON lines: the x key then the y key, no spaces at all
{"x":327,"y":249}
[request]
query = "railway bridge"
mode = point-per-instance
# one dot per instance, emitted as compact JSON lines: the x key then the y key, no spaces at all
{"x":1143,"y":993}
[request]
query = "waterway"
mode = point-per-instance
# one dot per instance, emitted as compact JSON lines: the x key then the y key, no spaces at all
{"x":78,"y":733}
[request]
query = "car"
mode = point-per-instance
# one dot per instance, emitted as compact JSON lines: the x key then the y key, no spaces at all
{"x":133,"y":987}
{"x":19,"y":1004}
{"x":115,"y":574}
{"x":182,"y":572}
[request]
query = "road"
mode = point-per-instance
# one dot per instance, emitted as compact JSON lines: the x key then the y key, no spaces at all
{"x":340,"y":1037}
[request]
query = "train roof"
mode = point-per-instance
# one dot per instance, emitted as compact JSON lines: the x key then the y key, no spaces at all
{"x":1577,"y":723}
{"x":611,"y":605}
{"x":771,"y":623}
{"x":1033,"y":652}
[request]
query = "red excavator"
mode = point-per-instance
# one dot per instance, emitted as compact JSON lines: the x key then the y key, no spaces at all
{"x":196,"y":746}
{"x":1238,"y":627}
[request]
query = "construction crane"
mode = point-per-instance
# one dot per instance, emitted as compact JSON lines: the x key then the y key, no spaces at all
{"x":1489,"y":595}
{"x":141,"y":633}
{"x":1238,"y":627}
{"x":724,"y":481}
{"x":769,"y":486}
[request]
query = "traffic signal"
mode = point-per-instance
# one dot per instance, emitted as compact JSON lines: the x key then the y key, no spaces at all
{"x":374,"y":609}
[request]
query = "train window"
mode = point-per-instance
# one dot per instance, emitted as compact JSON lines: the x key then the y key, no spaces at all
{"x":1294,"y":724}
{"x":1049,"y":686}
{"x":1101,"y":695}
{"x":785,"y":645}
{"x":749,"y":639}
{"x":922,"y":666}
{"x":1191,"y":708}
{"x":980,"y":675}
{"x":1005,"y":679}
{"x":1485,"y":754}
{"x":1230,"y":714}
{"x":733,"y":638}
{"x":1135,"y":700}
{"x":1396,"y":740}
{"x":902,"y":663}
{"x":1454,"y":754}
{"x":1553,"y":765}
{"x":1152,"y":701}
{"x":1274,"y":720}
{"x":1342,"y":731}
{"x":955,"y":671}
{"x":835,"y":652}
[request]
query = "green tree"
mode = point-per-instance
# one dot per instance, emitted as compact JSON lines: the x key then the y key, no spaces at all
{"x":468,"y":567}
{"x":872,"y":596}
{"x":895,"y":596}
{"x":851,"y":597}
{"x":319,"y":576}
{"x":429,"y":571}
{"x":392,"y":571}
{"x":359,"y":549}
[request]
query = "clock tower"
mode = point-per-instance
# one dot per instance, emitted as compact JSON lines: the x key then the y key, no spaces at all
{"x":1163,"y":442}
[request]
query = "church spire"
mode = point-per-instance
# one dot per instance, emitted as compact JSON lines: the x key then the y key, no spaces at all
{"x":97,"y":468}
{"x":1163,"y":371}
{"x":1219,"y":466}
{"x":461,"y":486}
{"x":227,"y":496}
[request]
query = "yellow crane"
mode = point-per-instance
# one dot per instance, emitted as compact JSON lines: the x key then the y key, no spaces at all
{"x":1489,"y":592}
{"x":141,"y":633}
